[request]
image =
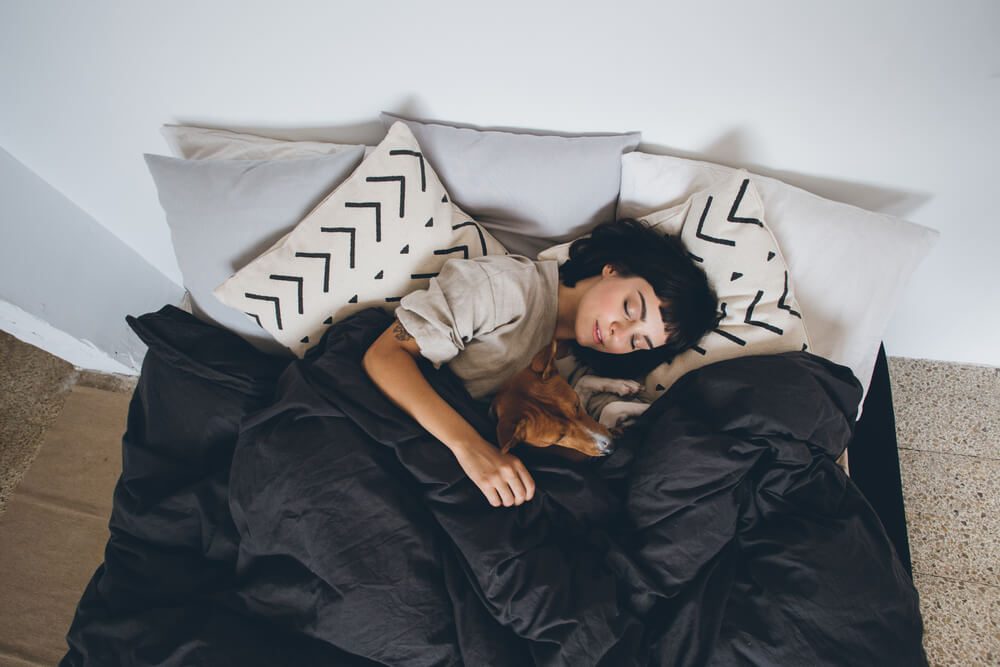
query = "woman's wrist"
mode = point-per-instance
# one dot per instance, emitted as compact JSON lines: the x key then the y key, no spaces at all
{"x":465,"y":446}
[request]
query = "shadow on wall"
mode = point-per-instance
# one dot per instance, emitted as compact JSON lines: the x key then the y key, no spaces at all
{"x":730,"y":149}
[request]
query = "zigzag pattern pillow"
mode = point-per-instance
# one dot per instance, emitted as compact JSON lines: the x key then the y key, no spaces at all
{"x":383,"y":233}
{"x":723,"y":229}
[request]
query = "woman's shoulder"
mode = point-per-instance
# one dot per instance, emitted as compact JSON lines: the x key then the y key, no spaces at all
{"x":495,"y":263}
{"x":513,"y":266}
{"x":518,"y":271}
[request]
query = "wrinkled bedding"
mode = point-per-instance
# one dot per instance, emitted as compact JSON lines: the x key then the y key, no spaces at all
{"x":286,"y":513}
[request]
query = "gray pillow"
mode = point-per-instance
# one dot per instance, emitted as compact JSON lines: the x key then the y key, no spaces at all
{"x":224,"y":213}
{"x":531,"y":190}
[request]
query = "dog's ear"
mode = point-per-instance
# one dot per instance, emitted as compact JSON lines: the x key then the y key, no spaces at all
{"x":544,"y":362}
{"x":510,"y":434}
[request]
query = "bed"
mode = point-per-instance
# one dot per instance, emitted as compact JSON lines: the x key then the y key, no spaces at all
{"x":278,"y":509}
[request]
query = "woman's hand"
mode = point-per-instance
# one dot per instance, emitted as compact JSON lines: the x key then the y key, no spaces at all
{"x":502,"y":478}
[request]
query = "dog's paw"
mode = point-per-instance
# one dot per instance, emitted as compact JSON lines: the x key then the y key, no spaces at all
{"x":618,"y":414}
{"x":628,"y":388}
{"x":596,"y":384}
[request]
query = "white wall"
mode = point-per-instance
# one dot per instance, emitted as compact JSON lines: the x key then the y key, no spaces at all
{"x":66,"y":282}
{"x":888,"y":105}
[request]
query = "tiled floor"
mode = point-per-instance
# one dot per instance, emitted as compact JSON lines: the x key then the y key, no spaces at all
{"x":948,"y":427}
{"x":948,"y":422}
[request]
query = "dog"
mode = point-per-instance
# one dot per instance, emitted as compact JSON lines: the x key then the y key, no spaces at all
{"x":539,"y":407}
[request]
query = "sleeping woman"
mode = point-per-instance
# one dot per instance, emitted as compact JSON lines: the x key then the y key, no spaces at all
{"x":626,"y":290}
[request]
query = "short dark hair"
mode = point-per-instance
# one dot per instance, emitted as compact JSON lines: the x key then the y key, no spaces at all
{"x":689,"y":305}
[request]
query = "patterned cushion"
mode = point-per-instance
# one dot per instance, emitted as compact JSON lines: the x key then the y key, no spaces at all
{"x":379,"y":236}
{"x":724,"y":230}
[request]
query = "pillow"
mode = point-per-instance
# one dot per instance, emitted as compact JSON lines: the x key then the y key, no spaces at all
{"x":223,"y":213}
{"x":849,"y":265}
{"x":724,"y":230}
{"x":202,"y":143}
{"x":382,"y":234}
{"x":530,"y":190}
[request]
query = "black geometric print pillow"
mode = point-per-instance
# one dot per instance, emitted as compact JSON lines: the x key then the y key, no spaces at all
{"x":383,"y":233}
{"x":724,"y":230}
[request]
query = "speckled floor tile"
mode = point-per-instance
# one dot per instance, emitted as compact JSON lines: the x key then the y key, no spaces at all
{"x":953,"y":514}
{"x":948,"y":549}
{"x":961,"y":622}
{"x":945,"y":407}
{"x":951,"y":485}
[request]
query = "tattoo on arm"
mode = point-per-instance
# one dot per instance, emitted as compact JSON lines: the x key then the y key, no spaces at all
{"x":401,"y":334}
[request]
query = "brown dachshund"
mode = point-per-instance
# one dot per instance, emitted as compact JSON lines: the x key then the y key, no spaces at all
{"x":538,"y":407}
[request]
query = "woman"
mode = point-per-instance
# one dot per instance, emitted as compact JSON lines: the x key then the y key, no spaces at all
{"x":625,"y":290}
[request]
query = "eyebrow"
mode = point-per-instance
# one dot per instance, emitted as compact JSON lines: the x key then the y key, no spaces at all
{"x":643,"y":318}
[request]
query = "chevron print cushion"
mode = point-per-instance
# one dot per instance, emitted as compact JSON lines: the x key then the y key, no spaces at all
{"x":383,"y":233}
{"x":724,"y":230}
{"x":849,"y":266}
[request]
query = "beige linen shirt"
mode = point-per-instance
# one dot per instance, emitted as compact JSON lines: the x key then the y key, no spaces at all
{"x":485,"y":317}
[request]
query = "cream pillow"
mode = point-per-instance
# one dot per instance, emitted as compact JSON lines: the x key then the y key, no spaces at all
{"x":724,"y":230}
{"x":380,"y":235}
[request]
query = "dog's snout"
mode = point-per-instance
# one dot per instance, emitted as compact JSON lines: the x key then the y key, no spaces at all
{"x":604,"y":444}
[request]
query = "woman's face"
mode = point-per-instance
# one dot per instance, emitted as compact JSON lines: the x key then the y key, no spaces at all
{"x":609,"y":318}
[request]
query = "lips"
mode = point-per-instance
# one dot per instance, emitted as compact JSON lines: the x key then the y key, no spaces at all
{"x":597,"y":334}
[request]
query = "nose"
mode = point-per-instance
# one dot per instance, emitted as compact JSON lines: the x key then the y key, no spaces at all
{"x":622,"y":329}
{"x":604,"y":444}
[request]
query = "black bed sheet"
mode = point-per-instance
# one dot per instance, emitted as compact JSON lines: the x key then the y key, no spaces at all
{"x":275,"y":513}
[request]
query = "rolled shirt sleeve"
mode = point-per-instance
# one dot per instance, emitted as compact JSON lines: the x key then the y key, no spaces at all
{"x":457,"y":307}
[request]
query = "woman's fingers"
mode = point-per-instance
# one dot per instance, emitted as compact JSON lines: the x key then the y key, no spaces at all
{"x":491,"y":495}
{"x":516,"y":485}
{"x":526,"y":479}
{"x":502,"y":478}
{"x":505,"y":493}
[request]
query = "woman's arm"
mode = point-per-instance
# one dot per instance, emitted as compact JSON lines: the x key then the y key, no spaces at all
{"x":391,"y":364}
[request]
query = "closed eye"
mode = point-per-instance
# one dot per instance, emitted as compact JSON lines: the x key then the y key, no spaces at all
{"x":629,"y":316}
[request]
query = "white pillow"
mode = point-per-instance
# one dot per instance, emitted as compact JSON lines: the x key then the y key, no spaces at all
{"x":849,"y":266}
{"x":383,"y":233}
{"x":202,"y":143}
{"x":723,"y":228}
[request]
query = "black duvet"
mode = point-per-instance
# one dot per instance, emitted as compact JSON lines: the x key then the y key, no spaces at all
{"x":286,"y":513}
